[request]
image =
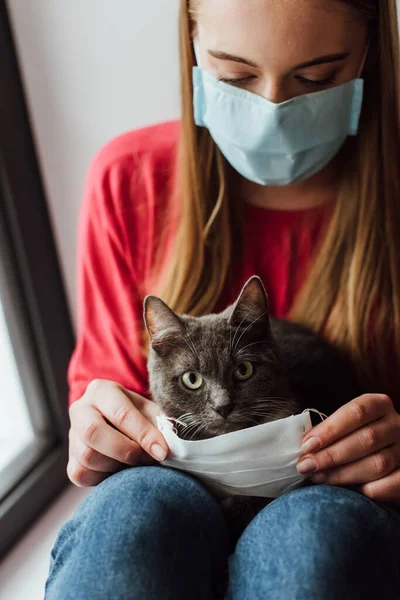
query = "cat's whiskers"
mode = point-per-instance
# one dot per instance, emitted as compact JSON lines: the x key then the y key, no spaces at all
{"x":192,"y":343}
{"x":186,"y":416}
{"x":268,"y":398}
{"x":267,"y":406}
{"x":188,"y":421}
{"x":252,"y":344}
{"x":171,"y":344}
{"x":267,"y":409}
{"x":263,"y":409}
{"x":248,"y":418}
{"x":192,"y":350}
{"x":192,"y":427}
{"x":239,"y":326}
{"x":270,"y":407}
{"x":200,"y":427}
{"x":248,"y":326}
{"x":265,"y":413}
{"x":191,"y":423}
{"x":270,"y":410}
{"x":185,"y":433}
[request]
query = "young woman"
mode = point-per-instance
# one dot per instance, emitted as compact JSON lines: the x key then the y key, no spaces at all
{"x":285,"y":165}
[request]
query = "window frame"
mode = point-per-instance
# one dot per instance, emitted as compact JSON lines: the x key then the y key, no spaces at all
{"x":39,"y":322}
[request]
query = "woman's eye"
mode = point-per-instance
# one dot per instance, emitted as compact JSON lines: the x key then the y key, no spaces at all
{"x":192,"y":380}
{"x":317,"y":82}
{"x":235,"y":81}
{"x":244,"y":371}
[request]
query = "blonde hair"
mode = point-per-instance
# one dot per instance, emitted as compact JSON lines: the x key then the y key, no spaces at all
{"x":352,"y":291}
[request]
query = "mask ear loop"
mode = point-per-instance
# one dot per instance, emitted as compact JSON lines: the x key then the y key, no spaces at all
{"x":196,"y":48}
{"x":322,"y":415}
{"x":364,"y":59}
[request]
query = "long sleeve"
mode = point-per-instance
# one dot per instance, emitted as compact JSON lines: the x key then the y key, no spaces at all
{"x":115,"y":236}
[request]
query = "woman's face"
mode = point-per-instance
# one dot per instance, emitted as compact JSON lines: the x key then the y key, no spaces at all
{"x":280,"y":49}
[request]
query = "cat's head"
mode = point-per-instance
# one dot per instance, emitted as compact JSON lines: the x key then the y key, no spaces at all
{"x":220,"y":372}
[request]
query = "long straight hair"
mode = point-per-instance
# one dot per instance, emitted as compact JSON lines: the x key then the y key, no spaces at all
{"x":351,"y":294}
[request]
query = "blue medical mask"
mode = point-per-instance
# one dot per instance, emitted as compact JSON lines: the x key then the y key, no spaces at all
{"x":276,"y":144}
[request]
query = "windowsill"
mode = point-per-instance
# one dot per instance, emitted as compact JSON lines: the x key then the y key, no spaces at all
{"x":18,"y":460}
{"x":11,"y":447}
{"x":23,"y":572}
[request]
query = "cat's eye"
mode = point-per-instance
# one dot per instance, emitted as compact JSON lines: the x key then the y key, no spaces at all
{"x":244,"y":371}
{"x":192,"y":380}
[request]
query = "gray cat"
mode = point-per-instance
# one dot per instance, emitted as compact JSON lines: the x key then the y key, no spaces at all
{"x":224,"y":372}
{"x":239,"y":368}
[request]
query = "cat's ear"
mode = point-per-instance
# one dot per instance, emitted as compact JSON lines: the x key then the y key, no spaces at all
{"x":251,"y":306}
{"x":163,"y":326}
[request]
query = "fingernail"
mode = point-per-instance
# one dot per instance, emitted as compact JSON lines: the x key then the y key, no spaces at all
{"x":318,"y":478}
{"x":310,"y":445}
{"x":308,"y":465}
{"x":158,"y":452}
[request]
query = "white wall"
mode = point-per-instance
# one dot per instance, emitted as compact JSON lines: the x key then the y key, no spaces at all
{"x":92,"y":69}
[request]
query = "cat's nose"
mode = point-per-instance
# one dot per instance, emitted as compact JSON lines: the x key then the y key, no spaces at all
{"x":224,"y":410}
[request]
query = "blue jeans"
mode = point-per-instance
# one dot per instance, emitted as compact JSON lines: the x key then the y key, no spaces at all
{"x":152,"y":533}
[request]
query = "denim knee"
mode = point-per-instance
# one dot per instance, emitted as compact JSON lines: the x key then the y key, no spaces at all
{"x":324,"y":510}
{"x":151,"y":497}
{"x":316,"y":517}
{"x":317,"y":542}
{"x":142,"y":532}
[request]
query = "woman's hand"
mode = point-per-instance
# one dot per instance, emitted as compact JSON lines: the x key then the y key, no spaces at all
{"x":111,"y":428}
{"x":358,"y":445}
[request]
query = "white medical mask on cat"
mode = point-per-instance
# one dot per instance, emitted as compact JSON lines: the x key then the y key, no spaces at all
{"x":257,"y":461}
{"x":276,"y":144}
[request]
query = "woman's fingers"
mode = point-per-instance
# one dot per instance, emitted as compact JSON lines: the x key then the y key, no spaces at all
{"x":94,"y":432}
{"x":362,"y":471}
{"x":121,"y":411}
{"x":356,"y":445}
{"x":92,"y":459}
{"x":109,"y":433}
{"x":349,"y":417}
{"x":147,"y":408}
{"x":386,"y":489}
{"x":83,"y":477}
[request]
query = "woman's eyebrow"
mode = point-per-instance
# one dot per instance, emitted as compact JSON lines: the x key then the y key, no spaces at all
{"x":316,"y":61}
{"x":225,"y":56}
{"x":323,"y":59}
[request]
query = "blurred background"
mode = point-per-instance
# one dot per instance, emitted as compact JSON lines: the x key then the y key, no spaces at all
{"x":90,"y":70}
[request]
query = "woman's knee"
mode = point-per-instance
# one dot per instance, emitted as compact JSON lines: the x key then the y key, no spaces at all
{"x":322,"y":542}
{"x":151,"y":494}
{"x":323,"y":508}
{"x":317,"y":527}
{"x":147,"y":508}
{"x":142,"y":527}
{"x":318,"y":514}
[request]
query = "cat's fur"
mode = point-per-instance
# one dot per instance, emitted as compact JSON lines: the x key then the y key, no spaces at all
{"x":294,"y":369}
